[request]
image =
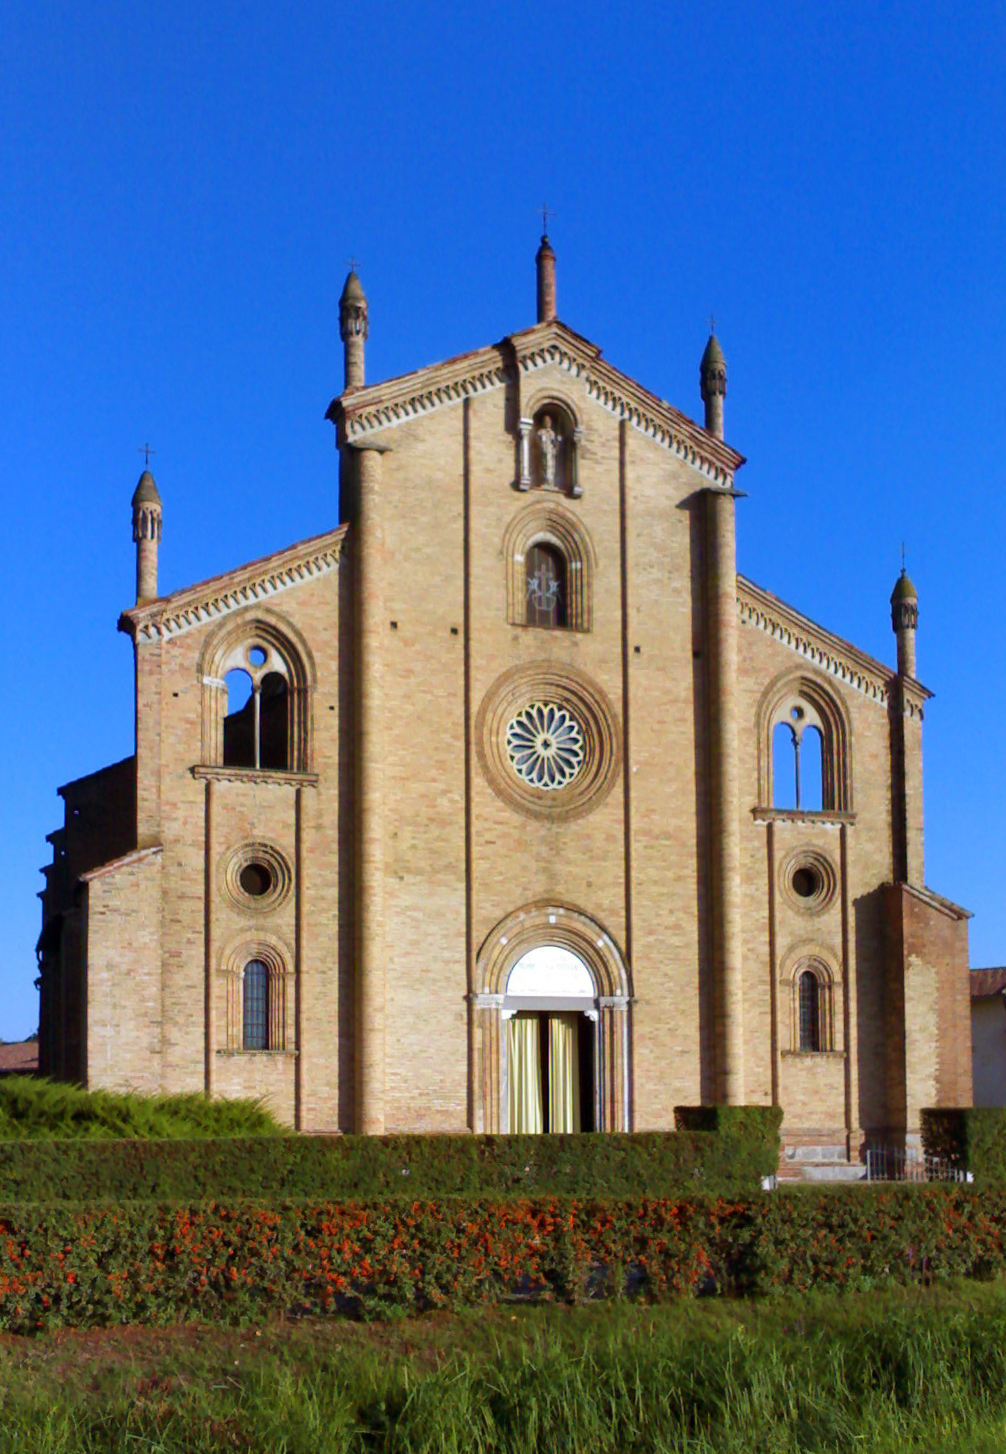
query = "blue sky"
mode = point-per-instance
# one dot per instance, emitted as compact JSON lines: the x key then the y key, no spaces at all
{"x":182,"y":186}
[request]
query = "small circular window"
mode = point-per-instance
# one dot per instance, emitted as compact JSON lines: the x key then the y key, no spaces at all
{"x":255,"y":879}
{"x":256,"y":876}
{"x":808,"y":880}
{"x":545,"y":745}
{"x":257,"y":655}
{"x":806,"y":883}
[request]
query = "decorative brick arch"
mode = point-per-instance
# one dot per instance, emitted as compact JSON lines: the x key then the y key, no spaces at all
{"x":535,"y":925}
{"x":293,"y":654}
{"x":827,"y":712}
{"x":546,"y":521}
{"x":276,"y":956}
{"x":816,"y":959}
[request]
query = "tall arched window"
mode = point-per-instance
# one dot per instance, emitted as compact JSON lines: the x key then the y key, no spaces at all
{"x":255,"y":1006}
{"x":256,"y":701}
{"x":809,"y":1010}
{"x":547,"y":577}
{"x":804,"y":746}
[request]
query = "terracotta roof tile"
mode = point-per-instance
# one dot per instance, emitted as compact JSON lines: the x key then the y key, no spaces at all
{"x":986,"y":982}
{"x":20,"y":1058}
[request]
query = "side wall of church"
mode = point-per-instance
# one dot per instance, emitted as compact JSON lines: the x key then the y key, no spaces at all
{"x":210,"y":928}
{"x":122,"y":931}
{"x":841,"y":1091}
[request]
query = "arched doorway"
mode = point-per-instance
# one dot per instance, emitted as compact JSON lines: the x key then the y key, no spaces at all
{"x":547,"y":1078}
{"x":550,"y":1022}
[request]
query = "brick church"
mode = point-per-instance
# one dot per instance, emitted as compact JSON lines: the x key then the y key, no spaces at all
{"x":509,"y":804}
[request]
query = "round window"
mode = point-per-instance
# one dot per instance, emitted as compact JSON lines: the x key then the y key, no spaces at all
{"x":545,"y":745}
{"x":255,"y":879}
{"x":257,"y":655}
{"x":806,"y":883}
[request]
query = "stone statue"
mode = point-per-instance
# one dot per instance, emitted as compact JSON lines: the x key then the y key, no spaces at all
{"x":548,"y":444}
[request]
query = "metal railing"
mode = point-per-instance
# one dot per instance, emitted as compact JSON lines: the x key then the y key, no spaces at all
{"x":898,"y":1163}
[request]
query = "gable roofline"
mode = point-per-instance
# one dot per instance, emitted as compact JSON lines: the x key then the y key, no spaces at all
{"x":828,"y":652}
{"x":987,"y":982}
{"x":212,"y":599}
{"x":374,"y":407}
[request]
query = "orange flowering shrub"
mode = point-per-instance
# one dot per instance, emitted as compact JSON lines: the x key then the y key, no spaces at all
{"x":244,"y":1261}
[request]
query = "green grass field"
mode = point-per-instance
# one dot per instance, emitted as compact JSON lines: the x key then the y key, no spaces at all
{"x":892,"y":1371}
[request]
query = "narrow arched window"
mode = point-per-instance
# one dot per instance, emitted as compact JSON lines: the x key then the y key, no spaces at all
{"x":784,"y":765}
{"x":809,"y":1010}
{"x":547,"y":585}
{"x":274,"y":722}
{"x":811,"y":770}
{"x":255,"y":1006}
{"x":239,"y":723}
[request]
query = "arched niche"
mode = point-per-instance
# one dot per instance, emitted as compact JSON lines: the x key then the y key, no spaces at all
{"x":550,"y":436}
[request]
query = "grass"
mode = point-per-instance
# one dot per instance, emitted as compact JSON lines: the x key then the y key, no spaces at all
{"x":35,"y":1109}
{"x":893,"y":1371}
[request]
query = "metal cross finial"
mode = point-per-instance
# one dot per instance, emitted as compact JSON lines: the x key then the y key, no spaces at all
{"x":712,"y":323}
{"x":352,"y":265}
{"x":544,"y":219}
{"x":146,"y":451}
{"x":902,"y":557}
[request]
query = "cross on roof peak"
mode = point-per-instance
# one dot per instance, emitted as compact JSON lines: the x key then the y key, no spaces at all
{"x":146,"y":451}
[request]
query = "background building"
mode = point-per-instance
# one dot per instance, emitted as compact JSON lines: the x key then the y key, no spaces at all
{"x":509,"y":804}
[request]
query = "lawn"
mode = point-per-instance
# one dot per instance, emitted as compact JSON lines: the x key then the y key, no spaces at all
{"x":902,"y":1369}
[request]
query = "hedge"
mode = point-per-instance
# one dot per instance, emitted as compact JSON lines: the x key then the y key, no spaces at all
{"x":970,"y":1138}
{"x":361,"y":1167}
{"x":80,"y":1266}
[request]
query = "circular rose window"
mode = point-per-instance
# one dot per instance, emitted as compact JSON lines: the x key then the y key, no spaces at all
{"x":545,"y":745}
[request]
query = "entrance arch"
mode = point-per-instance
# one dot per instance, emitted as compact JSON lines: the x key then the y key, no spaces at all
{"x":553,"y":960}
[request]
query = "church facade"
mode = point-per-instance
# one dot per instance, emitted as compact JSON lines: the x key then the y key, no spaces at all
{"x":510,"y":804}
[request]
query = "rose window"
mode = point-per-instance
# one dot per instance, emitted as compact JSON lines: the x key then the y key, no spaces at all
{"x":545,"y":745}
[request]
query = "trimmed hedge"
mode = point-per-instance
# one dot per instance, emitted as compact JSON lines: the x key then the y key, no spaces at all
{"x":971,"y":1138}
{"x":356,"y":1168}
{"x":243,"y":1262}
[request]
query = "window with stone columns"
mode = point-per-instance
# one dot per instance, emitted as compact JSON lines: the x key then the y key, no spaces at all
{"x":804,"y":747}
{"x":257,"y":680}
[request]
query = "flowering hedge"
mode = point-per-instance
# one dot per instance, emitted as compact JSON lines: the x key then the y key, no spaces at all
{"x":242,"y":1262}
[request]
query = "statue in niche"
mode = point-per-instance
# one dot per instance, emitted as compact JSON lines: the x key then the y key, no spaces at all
{"x":549,"y":445}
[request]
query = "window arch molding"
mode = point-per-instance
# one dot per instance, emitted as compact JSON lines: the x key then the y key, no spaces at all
{"x":826,"y":711}
{"x":803,"y":960}
{"x":546,"y":522}
{"x":288,"y":650}
{"x":566,"y":927}
{"x":275,"y":955}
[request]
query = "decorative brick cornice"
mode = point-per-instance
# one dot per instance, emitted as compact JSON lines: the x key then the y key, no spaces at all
{"x":256,"y":776}
{"x":211,"y":600}
{"x":829,"y":653}
{"x":385,"y":405}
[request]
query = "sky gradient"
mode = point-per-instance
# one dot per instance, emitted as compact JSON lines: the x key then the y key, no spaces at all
{"x":182,"y":187}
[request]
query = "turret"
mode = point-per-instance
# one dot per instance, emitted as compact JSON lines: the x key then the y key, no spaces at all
{"x":147,"y":535}
{"x":713,"y":382}
{"x":353,"y":328}
{"x":545,"y":265}
{"x":904,"y":621}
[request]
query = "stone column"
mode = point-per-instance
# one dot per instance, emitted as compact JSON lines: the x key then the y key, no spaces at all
{"x":725,"y":794}
{"x":367,"y":543}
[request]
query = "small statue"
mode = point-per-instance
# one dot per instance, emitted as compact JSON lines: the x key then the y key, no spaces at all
{"x":549,"y":442}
